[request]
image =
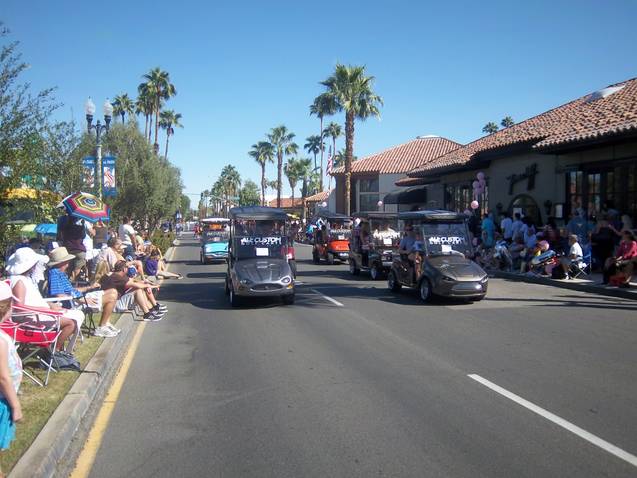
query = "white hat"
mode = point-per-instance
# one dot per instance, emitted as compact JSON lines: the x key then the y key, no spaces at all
{"x":5,"y":291}
{"x":24,"y":259}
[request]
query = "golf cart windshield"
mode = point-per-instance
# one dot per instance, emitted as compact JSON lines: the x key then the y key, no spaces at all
{"x":216,"y":236}
{"x":446,"y":238}
{"x":385,"y":232}
{"x":339,"y":233}
{"x":248,"y":247}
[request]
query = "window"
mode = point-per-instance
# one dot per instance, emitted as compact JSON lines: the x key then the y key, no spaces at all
{"x":574,"y":191}
{"x":368,"y":194}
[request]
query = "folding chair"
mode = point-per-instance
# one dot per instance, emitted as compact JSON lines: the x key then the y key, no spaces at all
{"x":32,"y":336}
{"x":582,"y":267}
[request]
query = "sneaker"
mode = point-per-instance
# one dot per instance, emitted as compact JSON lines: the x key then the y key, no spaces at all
{"x":152,"y":317}
{"x":104,"y":332}
{"x":161,"y":307}
{"x":112,"y":327}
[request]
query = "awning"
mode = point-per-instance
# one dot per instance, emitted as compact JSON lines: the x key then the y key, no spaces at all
{"x":47,"y":229}
{"x":413,"y":195}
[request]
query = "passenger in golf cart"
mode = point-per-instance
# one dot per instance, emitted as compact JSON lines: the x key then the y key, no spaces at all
{"x":331,"y":239}
{"x":374,"y":243}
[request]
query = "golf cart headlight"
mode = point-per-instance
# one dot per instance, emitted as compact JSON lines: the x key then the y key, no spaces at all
{"x":448,"y":279}
{"x":245,"y":282}
{"x":286,"y":280}
{"x":484,"y":279}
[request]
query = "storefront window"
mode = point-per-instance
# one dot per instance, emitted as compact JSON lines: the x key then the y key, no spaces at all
{"x":368,"y":194}
{"x":574,"y":190}
{"x":369,"y":202}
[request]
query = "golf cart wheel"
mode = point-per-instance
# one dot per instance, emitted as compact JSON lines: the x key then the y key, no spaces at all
{"x":425,"y":290}
{"x":352,"y":268}
{"x":392,"y":282}
{"x":288,"y":299}
{"x":227,"y":289}
{"x":293,"y":268}
{"x":234,"y":300}
{"x":330,"y":258}
{"x":315,"y":257}
{"x":202,"y":259}
{"x":374,"y":272}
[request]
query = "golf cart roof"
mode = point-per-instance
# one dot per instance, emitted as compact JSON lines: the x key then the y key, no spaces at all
{"x":376,"y":215}
{"x":432,"y":215}
{"x":334,"y":216}
{"x":215,"y":219}
{"x":258,"y":213}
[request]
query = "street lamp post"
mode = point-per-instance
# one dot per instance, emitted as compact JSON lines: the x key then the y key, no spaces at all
{"x":99,"y":129}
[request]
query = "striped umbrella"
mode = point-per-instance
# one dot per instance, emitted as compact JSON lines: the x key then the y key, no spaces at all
{"x":86,"y":206}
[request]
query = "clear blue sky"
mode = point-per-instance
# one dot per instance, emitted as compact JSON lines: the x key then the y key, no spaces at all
{"x":241,"y":68}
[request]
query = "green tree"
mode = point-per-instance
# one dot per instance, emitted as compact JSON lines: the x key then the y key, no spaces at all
{"x":490,"y":128}
{"x":313,"y":146}
{"x":507,"y":122}
{"x":293,"y":173}
{"x":323,"y":105}
{"x":160,"y":89}
{"x":230,"y":181}
{"x":263,"y":153}
{"x":283,"y":144}
{"x":144,"y":106}
{"x":249,"y":194}
{"x":304,"y":171}
{"x":353,"y":93}
{"x":169,"y":120}
{"x":123,"y":105}
{"x":334,"y":131}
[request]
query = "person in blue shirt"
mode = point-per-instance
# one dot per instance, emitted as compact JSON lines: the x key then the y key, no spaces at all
{"x":59,"y":283}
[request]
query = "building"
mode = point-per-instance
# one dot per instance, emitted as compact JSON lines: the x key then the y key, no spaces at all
{"x":579,"y":156}
{"x":373,"y":177}
{"x":289,"y":205}
{"x":317,"y":201}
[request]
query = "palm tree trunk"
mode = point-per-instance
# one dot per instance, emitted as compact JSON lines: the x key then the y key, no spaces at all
{"x":156,"y":144}
{"x":146,"y":127}
{"x":321,"y":146}
{"x":122,"y":113}
{"x":279,"y":178}
{"x":150,"y":127}
{"x":263,"y":184}
{"x":349,"y":150}
{"x":167,"y":138}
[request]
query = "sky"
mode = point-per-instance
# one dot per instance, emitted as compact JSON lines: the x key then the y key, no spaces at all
{"x":241,"y":68}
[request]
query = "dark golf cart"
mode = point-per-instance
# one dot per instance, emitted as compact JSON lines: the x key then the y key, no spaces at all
{"x":442,"y":252}
{"x":375,"y":239}
{"x":258,"y":255}
{"x":331,"y":238}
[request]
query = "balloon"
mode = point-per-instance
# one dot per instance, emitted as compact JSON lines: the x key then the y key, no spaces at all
{"x":379,"y":203}
{"x":475,"y":205}
{"x":476,"y":184}
{"x":480,"y":176}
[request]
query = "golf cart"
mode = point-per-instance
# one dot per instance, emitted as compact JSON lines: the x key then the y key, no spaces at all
{"x":214,"y":239}
{"x":331,"y":238}
{"x":439,"y":263}
{"x":375,"y":239}
{"x":258,"y":265}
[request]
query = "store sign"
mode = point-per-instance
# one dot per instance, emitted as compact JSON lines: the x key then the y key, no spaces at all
{"x":529,"y":174}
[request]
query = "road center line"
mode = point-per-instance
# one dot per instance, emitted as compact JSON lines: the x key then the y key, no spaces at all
{"x":589,"y":437}
{"x":328,"y":298}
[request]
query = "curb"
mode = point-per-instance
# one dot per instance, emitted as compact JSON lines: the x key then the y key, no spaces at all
{"x":65,"y":428}
{"x":564,"y":284}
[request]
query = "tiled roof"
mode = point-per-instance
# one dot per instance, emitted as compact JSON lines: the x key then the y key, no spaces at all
{"x":406,"y":181}
{"x":286,"y":203}
{"x":590,"y":117}
{"x":318,"y":197}
{"x":402,"y":158}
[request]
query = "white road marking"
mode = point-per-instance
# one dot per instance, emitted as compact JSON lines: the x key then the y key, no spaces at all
{"x":589,"y":437}
{"x":328,"y":298}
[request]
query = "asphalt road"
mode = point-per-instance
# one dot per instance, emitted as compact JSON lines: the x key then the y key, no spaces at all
{"x":372,"y":383}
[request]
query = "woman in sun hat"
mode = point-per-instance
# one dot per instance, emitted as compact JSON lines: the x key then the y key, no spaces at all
{"x":21,"y":267}
{"x":10,"y":375}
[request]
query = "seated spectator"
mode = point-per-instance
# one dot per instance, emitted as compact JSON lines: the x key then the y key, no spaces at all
{"x":574,"y":257}
{"x":120,"y":295}
{"x":626,"y":254}
{"x":156,"y":266}
{"x":22,"y":267}
{"x":59,"y":284}
{"x":603,"y":240}
{"x":531,"y":253}
{"x":552,"y":233}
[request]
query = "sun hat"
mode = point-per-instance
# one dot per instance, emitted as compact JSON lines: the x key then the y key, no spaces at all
{"x":5,"y":291}
{"x":59,"y":255}
{"x":24,"y":259}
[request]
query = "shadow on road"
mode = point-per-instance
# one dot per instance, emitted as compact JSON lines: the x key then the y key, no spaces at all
{"x":206,"y":275}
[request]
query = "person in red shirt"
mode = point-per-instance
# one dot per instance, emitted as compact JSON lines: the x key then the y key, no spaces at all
{"x":624,"y":260}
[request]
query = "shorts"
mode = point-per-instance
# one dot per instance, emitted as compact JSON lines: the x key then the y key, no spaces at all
{"x":7,"y":427}
{"x":125,"y":303}
{"x":79,"y":261}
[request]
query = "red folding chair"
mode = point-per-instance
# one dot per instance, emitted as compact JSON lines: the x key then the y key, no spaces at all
{"x":33,"y":331}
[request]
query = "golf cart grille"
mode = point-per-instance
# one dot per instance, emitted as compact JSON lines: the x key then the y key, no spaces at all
{"x":267,"y":287}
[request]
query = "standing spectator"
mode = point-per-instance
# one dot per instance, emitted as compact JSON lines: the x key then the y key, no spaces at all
{"x":603,"y":241}
{"x":127,"y":236}
{"x":488,"y":231}
{"x":71,"y":233}
{"x":627,"y":223}
{"x":552,"y":233}
{"x":101,"y":235}
{"x":578,"y":226}
{"x":516,"y":226}
{"x":506,"y":226}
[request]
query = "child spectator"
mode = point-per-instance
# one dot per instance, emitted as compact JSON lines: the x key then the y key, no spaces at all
{"x":10,"y":376}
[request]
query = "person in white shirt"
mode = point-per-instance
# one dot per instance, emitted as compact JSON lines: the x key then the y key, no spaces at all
{"x":506,"y":226}
{"x":127,"y":236}
{"x":575,"y":255}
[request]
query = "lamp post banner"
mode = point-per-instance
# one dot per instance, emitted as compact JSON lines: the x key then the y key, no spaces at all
{"x":88,"y":172}
{"x":108,"y":176}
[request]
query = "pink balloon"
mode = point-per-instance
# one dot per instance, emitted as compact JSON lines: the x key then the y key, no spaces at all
{"x":475,"y":205}
{"x":480,"y":176}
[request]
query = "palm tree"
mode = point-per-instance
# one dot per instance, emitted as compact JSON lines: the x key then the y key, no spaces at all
{"x":333,"y":130}
{"x":160,"y":89}
{"x":507,"y":121}
{"x":283,"y":144}
{"x":230,"y":181}
{"x":490,"y":128}
{"x":123,"y":105}
{"x":324,"y":104}
{"x":313,"y":146}
{"x":263,"y":153}
{"x":304,"y":170}
{"x":169,"y":120}
{"x":143,"y":106}
{"x":293,"y":173}
{"x":353,"y":93}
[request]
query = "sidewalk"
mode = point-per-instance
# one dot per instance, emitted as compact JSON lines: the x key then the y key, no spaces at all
{"x":585,"y":283}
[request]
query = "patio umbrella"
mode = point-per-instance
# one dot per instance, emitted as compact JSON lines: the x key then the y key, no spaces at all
{"x":47,"y":229}
{"x":86,"y":206}
{"x":27,"y":228}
